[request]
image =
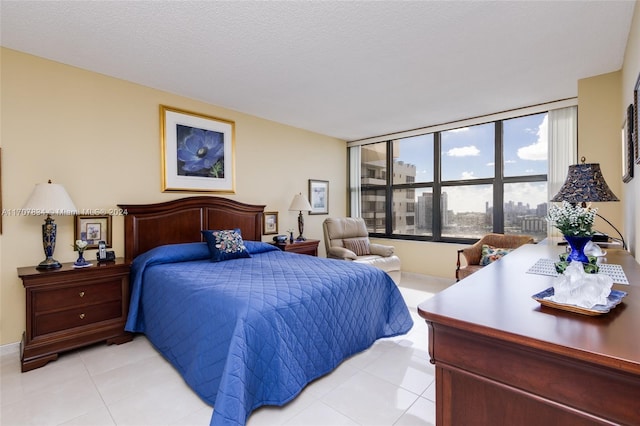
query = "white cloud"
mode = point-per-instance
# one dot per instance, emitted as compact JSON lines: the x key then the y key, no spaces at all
{"x":538,"y":150}
{"x":467,"y":175}
{"x":464,"y":151}
{"x":510,"y":162}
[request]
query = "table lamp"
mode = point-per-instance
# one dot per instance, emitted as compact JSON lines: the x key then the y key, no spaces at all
{"x":585,"y":184}
{"x":50,"y":199}
{"x":299,"y":203}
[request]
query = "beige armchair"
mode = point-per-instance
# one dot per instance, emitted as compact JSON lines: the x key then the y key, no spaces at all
{"x":347,"y":238}
{"x":473,"y":254}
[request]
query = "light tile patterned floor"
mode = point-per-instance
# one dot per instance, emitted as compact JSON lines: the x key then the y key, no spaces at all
{"x":131,"y":384}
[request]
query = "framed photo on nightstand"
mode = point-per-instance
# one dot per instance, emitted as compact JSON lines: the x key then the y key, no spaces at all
{"x":93,"y":228}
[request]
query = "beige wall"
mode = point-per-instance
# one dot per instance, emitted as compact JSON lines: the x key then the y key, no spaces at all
{"x":99,"y":137}
{"x":599,"y":122}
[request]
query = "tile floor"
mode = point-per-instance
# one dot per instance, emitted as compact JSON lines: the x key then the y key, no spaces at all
{"x":392,"y":383}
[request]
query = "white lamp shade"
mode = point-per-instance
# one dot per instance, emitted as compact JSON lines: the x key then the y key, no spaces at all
{"x":299,"y":203}
{"x":49,"y":198}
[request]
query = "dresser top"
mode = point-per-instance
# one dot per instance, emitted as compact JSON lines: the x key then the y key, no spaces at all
{"x":497,"y":302}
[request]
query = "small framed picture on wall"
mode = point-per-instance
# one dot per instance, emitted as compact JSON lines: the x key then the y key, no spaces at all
{"x":270,"y":223}
{"x":319,"y":196}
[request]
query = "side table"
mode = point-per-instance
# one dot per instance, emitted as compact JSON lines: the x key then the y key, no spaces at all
{"x":68,"y":308}
{"x":309,"y":247}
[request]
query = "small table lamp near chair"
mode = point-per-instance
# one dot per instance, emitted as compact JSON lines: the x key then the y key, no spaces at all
{"x":300,"y":204}
{"x":585,"y":184}
{"x":50,"y":199}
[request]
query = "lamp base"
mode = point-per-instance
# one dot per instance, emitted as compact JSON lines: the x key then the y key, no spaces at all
{"x":49,"y":263}
{"x":301,"y":238}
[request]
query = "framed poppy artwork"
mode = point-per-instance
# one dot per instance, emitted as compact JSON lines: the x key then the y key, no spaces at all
{"x":197,"y":152}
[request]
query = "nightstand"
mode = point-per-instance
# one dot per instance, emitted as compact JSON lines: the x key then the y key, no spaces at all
{"x":309,"y":247}
{"x":68,"y":308}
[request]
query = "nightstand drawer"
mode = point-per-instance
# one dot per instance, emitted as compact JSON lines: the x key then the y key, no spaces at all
{"x":79,"y":295}
{"x":78,"y":317}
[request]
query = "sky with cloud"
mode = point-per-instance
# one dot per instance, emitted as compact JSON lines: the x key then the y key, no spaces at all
{"x":468,"y":153}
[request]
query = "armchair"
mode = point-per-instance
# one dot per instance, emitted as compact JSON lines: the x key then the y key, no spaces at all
{"x":348,"y":239}
{"x":473,"y":254}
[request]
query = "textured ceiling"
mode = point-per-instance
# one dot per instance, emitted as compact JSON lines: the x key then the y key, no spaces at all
{"x":346,"y":69}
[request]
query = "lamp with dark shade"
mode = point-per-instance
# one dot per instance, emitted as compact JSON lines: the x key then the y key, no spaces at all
{"x":50,"y":199}
{"x":585,"y":184}
{"x":300,"y":204}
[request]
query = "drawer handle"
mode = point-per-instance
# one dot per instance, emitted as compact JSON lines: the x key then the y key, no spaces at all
{"x":81,"y":294}
{"x":81,"y":316}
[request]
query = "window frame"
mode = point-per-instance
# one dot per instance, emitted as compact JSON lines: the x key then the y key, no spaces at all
{"x":497,"y":181}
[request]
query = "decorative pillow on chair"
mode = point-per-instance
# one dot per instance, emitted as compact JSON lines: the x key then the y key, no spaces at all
{"x":360,"y":246}
{"x":490,"y":254}
{"x":225,"y":245}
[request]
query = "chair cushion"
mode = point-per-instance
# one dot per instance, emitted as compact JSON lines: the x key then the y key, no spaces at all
{"x":490,"y":254}
{"x":360,"y":246}
{"x":387,"y":264}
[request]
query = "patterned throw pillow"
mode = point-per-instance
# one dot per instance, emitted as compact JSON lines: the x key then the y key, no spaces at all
{"x":225,"y":245}
{"x":490,"y":254}
{"x":360,"y":246}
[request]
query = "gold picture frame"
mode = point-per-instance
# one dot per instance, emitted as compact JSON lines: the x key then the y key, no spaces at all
{"x":92,"y":229}
{"x":198,"y":152}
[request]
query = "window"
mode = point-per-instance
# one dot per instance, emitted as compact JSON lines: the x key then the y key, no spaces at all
{"x":458,"y":184}
{"x":468,"y":152}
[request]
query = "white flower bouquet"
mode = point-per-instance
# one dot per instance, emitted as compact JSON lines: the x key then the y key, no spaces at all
{"x":572,"y":220}
{"x":81,"y":245}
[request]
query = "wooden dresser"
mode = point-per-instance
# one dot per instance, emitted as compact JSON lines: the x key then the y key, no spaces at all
{"x":68,"y":308}
{"x":503,"y":359}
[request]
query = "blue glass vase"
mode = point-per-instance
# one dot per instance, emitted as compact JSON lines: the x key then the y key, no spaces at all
{"x":81,"y":261}
{"x":577,"y":245}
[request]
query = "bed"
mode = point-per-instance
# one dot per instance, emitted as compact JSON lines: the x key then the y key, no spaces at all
{"x":248,"y":331}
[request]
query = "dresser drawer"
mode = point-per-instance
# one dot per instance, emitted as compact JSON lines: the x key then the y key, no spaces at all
{"x":77,"y":317}
{"x":79,"y":295}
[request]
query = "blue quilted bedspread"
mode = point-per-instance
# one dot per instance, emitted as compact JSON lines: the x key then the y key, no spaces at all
{"x":250,"y":332}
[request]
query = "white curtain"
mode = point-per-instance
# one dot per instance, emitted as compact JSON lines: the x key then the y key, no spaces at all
{"x":354,"y":180}
{"x":563,"y":150}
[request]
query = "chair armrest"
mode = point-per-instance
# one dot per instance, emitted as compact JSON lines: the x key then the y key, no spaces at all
{"x":381,"y":249}
{"x":341,"y":253}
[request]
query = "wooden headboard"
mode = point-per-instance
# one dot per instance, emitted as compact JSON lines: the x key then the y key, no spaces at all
{"x":180,"y":221}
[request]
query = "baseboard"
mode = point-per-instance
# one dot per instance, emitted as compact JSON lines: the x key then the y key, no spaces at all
{"x":10,"y":348}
